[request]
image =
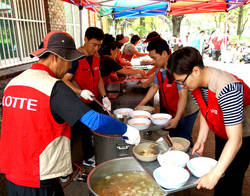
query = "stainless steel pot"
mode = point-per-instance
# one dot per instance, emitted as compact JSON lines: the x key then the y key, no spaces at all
{"x":102,"y":170}
{"x":109,"y":147}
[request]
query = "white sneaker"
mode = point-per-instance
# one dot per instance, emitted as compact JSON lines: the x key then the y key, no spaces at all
{"x":81,"y":177}
{"x":64,"y":179}
{"x":90,"y":162}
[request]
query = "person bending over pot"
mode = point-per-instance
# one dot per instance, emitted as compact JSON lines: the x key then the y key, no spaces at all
{"x":35,"y":149}
{"x":224,"y":104}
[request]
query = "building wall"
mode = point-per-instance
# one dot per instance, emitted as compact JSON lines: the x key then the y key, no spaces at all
{"x":55,"y":16}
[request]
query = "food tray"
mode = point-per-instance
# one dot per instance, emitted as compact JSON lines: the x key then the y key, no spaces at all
{"x":151,"y":166}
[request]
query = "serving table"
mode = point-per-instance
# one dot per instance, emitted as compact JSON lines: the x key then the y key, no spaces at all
{"x":136,"y":63}
{"x":149,"y":167}
{"x":129,"y":97}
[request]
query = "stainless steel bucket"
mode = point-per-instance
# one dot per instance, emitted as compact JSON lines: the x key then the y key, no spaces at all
{"x":109,"y":147}
{"x":109,"y":167}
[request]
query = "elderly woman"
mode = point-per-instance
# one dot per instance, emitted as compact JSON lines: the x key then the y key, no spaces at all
{"x":224,"y":103}
{"x":129,"y":50}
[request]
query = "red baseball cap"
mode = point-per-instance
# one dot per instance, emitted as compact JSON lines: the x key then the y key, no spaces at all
{"x":61,"y":44}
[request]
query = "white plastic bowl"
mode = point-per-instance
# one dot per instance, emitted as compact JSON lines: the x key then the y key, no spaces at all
{"x":200,"y":166}
{"x":171,"y":177}
{"x":131,"y":81}
{"x":139,"y":114}
{"x":160,"y":118}
{"x":123,"y":111}
{"x":139,"y":123}
{"x":173,"y":158}
{"x":181,"y":141}
{"x":145,"y":152}
{"x":146,"y":108}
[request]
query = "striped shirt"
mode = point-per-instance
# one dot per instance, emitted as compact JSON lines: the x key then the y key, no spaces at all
{"x":230,"y":100}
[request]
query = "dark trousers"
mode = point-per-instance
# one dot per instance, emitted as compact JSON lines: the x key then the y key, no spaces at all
{"x":84,"y":132}
{"x":79,"y":129}
{"x":184,"y":128}
{"x":231,"y":182}
{"x":52,"y":189}
{"x":216,"y":54}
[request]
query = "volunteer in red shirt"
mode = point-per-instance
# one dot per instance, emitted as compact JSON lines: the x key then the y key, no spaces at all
{"x":38,"y":110}
{"x":224,"y":103}
{"x":108,"y":64}
{"x":174,"y":100}
{"x":85,"y":74}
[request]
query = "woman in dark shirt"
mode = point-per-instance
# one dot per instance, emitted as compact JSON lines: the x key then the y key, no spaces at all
{"x":108,"y":64}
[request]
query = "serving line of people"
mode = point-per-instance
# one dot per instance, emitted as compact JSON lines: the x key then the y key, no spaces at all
{"x":35,"y":149}
{"x":223,"y":99}
{"x":174,"y":99}
{"x":46,"y":108}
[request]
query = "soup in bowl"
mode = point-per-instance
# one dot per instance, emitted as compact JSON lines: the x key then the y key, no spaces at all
{"x":145,"y":151}
{"x":123,"y":111}
{"x":139,"y":114}
{"x":160,"y":118}
{"x":139,"y":123}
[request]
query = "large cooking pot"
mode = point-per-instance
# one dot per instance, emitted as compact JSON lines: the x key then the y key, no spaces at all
{"x":109,"y":147}
{"x":102,"y":170}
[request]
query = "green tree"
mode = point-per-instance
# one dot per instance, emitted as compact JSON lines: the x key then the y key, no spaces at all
{"x":176,"y":20}
{"x":139,"y":26}
{"x":243,"y":14}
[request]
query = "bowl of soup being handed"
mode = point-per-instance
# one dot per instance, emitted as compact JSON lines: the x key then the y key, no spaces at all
{"x":139,"y":123}
{"x":160,"y":118}
{"x":139,"y":114}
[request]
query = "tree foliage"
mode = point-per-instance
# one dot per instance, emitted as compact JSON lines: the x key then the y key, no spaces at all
{"x":144,"y":25}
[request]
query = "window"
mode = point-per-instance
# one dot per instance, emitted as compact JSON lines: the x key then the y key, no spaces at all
{"x":89,"y":18}
{"x":73,"y":22}
{"x":22,"y":27}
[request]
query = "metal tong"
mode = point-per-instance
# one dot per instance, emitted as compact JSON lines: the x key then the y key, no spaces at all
{"x":103,"y":107}
{"x":108,"y":111}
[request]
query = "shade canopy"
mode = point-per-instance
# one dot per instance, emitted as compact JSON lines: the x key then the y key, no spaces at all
{"x":140,"y":8}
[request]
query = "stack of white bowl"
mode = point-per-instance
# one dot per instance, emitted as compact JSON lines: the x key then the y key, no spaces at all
{"x":139,"y":119}
{"x":171,"y":174}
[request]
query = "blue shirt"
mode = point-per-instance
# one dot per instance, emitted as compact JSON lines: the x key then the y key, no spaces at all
{"x":164,"y":75}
